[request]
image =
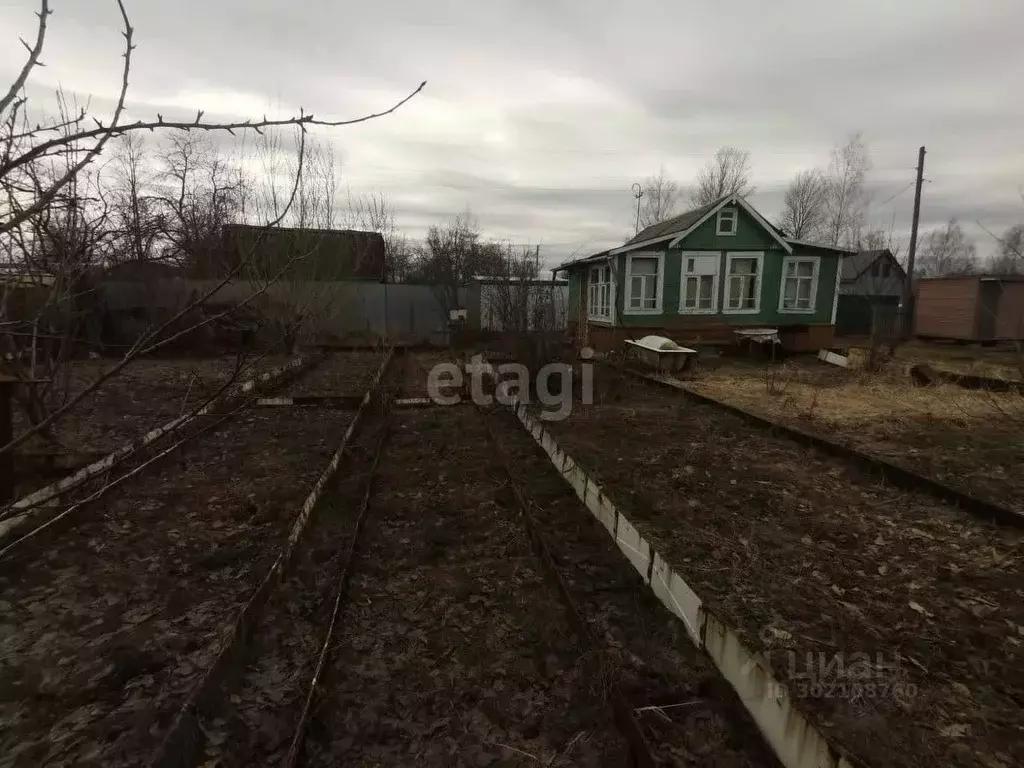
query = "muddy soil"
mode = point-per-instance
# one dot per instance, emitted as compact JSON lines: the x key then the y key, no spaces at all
{"x":898,"y":620}
{"x":342,"y":373}
{"x":145,"y":395}
{"x":105,"y":628}
{"x":689,"y":713}
{"x":454,"y":650}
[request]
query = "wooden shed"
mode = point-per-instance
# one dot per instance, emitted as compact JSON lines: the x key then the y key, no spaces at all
{"x":970,"y":308}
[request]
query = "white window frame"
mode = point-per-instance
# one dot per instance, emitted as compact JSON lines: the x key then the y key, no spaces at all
{"x":715,"y":282}
{"x":734,"y":213}
{"x":659,"y":294}
{"x":591,"y":315}
{"x":816,"y":261}
{"x":731,"y":256}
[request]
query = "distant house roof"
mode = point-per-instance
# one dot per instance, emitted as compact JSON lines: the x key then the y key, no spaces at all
{"x":982,"y":278}
{"x":583,"y":260}
{"x":131,"y":271}
{"x":535,"y":280}
{"x":861,"y":261}
{"x":316,"y":254}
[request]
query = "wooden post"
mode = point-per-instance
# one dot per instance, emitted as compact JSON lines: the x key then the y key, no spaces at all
{"x":907,"y":319}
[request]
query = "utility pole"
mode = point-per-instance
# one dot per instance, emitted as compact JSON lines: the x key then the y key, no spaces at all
{"x":908,"y":315}
{"x":638,"y":192}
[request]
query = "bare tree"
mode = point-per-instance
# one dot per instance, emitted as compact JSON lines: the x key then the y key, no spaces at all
{"x":1009,"y":256}
{"x":453,"y":254}
{"x":200,"y":190}
{"x":805,"y":205}
{"x":295,"y":271}
{"x":134,"y":206}
{"x":373,"y":212}
{"x":946,"y":251}
{"x":727,"y":173}
{"x":845,"y":201}
{"x":77,"y":140}
{"x":660,"y":199}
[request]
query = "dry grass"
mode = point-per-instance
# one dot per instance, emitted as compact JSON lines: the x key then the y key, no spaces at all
{"x":967,"y":438}
{"x":994,"y":362}
{"x":856,"y":400}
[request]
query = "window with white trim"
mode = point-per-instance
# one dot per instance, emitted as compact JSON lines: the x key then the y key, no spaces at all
{"x":644,"y":280}
{"x":699,"y":283}
{"x":726,"y":222}
{"x":599,"y":294}
{"x":743,"y":282}
{"x":799,"y":284}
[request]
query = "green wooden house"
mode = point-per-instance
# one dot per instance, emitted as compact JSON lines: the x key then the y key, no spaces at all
{"x":700,"y":276}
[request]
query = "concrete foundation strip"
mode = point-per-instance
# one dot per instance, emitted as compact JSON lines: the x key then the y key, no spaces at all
{"x":345,"y":402}
{"x":795,"y":739}
{"x":21,"y":513}
{"x":893,"y":474}
{"x":183,"y":743}
{"x":640,"y":751}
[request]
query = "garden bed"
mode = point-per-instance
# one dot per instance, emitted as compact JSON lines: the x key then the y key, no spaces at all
{"x":686,"y":709}
{"x":898,"y":621}
{"x":149,"y":392}
{"x":107,"y":625}
{"x":453,"y":650}
{"x":970,"y":440}
{"x":341,"y":373}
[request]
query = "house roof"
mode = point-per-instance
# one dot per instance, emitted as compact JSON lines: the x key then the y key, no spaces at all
{"x":583,"y":260}
{"x":532,"y":281}
{"x":982,"y":278}
{"x":861,"y":261}
{"x":678,"y":227}
{"x":676,"y":224}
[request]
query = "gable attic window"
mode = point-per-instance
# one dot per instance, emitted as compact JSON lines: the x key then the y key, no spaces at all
{"x":726,"y":222}
{"x":644,"y":281}
{"x":599,"y":293}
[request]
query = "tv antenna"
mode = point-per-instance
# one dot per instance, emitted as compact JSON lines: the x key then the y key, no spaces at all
{"x":638,"y":192}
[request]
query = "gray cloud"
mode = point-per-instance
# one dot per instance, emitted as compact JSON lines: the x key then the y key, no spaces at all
{"x":539,"y":116}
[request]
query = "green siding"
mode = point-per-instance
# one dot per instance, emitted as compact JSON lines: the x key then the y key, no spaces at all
{"x":750,"y":236}
{"x":575,"y":290}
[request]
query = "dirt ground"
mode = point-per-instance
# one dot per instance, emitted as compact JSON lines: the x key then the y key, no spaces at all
{"x":145,"y":395}
{"x":343,"y":373}
{"x":899,"y":621}
{"x":689,"y":713}
{"x":971,"y":440}
{"x":454,"y":651}
{"x":107,"y":625}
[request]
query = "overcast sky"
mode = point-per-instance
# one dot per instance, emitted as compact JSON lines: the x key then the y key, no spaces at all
{"x":539,"y":116}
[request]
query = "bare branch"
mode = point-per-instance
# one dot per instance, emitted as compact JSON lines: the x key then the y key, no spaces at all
{"x":103,"y":137}
{"x":805,"y":203}
{"x":726,"y":174}
{"x":845,"y":201}
{"x":33,"y":59}
{"x":660,"y":195}
{"x":301,"y":120}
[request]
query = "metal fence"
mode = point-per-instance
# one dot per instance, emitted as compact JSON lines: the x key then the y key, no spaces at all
{"x":339,"y":309}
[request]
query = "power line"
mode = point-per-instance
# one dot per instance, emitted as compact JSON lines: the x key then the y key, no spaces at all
{"x":890,"y":199}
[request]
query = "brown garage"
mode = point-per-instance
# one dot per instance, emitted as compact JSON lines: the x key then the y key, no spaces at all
{"x":972,"y":308}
